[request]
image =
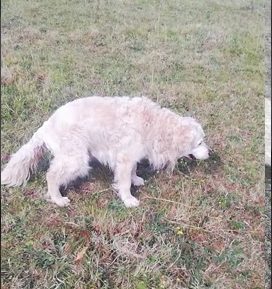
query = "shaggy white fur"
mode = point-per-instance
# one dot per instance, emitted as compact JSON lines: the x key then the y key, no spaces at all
{"x":118,"y":132}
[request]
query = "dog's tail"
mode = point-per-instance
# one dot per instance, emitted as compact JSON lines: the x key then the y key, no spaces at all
{"x":23,"y":162}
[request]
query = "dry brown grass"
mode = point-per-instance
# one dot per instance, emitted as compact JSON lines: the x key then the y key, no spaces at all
{"x":202,"y":227}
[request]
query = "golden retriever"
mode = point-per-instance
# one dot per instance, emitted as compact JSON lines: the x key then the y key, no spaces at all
{"x":118,"y":132}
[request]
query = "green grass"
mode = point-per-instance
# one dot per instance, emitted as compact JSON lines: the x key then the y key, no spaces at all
{"x":202,"y":227}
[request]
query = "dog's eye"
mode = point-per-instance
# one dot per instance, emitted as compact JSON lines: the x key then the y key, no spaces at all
{"x":200,"y":143}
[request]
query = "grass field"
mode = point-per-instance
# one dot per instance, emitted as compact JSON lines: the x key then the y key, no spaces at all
{"x":202,"y":227}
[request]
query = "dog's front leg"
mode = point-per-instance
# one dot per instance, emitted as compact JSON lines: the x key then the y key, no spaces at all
{"x":136,"y":181}
{"x":122,"y":182}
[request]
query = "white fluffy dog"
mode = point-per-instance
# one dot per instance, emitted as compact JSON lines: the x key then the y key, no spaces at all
{"x":118,"y":132}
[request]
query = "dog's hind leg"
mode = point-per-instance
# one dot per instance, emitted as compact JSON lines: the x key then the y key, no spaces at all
{"x":63,"y":170}
{"x":122,"y":179}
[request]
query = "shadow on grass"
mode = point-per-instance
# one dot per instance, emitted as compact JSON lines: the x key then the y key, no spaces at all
{"x":210,"y":166}
{"x":101,"y":173}
{"x":97,"y":173}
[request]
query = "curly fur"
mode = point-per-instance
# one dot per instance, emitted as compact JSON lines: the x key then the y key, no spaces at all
{"x":117,"y":131}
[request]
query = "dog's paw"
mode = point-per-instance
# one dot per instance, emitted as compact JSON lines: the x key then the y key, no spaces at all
{"x":131,"y":202}
{"x":137,"y":181}
{"x":61,"y":202}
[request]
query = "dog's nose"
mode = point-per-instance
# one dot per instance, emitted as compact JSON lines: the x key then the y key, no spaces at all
{"x":210,"y":152}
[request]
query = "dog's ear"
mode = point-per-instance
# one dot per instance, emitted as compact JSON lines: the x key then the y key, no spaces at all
{"x":184,"y":139}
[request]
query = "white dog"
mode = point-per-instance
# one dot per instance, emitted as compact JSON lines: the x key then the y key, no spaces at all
{"x":118,"y":132}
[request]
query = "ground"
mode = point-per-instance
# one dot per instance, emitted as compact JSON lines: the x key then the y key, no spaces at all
{"x":201,"y":227}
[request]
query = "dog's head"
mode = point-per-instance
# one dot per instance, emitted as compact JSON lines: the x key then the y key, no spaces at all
{"x":197,"y":148}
